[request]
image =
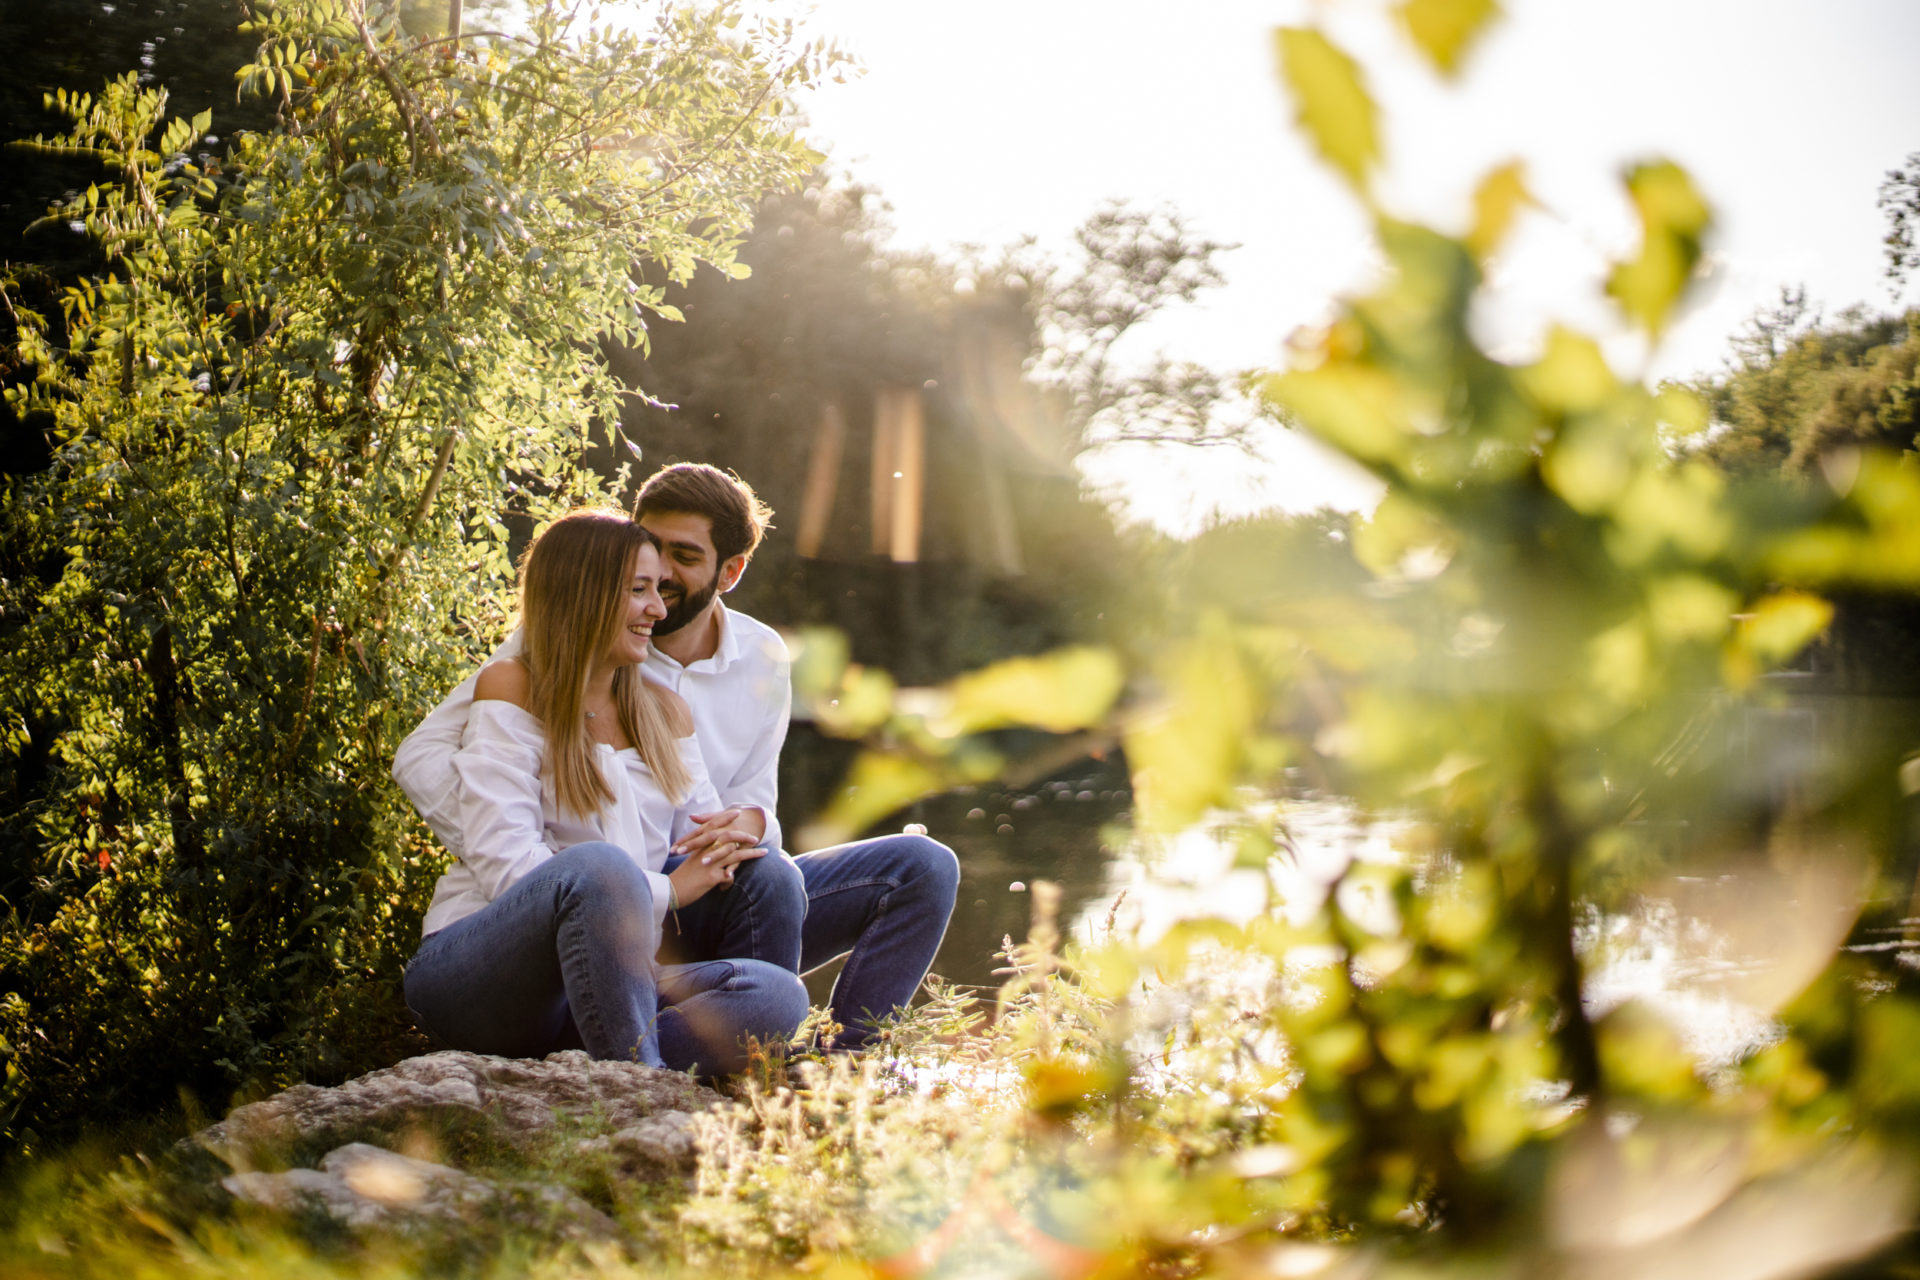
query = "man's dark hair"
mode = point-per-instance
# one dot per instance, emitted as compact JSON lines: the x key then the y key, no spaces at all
{"x":731,"y":507}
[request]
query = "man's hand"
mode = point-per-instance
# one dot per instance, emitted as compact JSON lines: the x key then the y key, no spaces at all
{"x":736,"y":824}
{"x":712,"y":868}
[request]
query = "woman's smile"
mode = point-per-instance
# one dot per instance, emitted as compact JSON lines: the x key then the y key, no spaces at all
{"x":644,"y":606}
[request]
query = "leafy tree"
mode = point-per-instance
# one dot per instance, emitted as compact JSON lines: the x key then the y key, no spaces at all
{"x":1900,"y":199}
{"x":193,"y":47}
{"x":1802,"y":389}
{"x":1132,"y":264}
{"x":292,"y":417}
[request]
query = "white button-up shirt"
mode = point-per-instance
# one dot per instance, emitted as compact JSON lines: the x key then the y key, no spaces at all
{"x":512,"y":822}
{"x":740,"y":699}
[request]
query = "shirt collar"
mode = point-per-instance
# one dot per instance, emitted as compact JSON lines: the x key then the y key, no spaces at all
{"x":724,"y":654}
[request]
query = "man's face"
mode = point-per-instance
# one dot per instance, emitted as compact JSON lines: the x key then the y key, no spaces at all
{"x":691,"y":572}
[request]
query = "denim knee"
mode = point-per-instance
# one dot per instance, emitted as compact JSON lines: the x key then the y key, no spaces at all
{"x":603,"y":880}
{"x":710,"y":1028}
{"x":930,"y":865}
{"x":773,"y":882}
{"x":783,"y":1002}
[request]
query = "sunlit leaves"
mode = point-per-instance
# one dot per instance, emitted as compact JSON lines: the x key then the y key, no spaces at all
{"x":1772,"y":630}
{"x":1404,"y":538}
{"x":1331,"y":102}
{"x":1060,"y":691}
{"x":1674,"y":219}
{"x":1499,"y":199}
{"x":293,"y":425}
{"x":1362,"y":411}
{"x":1189,"y":751}
{"x":844,"y":698}
{"x":1445,"y":29}
{"x":1879,"y":546}
{"x":931,"y":739}
{"x":1572,"y":376}
{"x":1679,"y":411}
{"x":879,"y":784}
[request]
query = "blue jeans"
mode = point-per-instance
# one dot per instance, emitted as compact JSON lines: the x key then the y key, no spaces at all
{"x":886,"y":901}
{"x":565,"y":958}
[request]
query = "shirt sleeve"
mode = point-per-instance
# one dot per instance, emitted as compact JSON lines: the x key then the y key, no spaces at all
{"x":701,"y":797}
{"x":423,"y":766}
{"x":756,"y":782}
{"x":498,"y":774}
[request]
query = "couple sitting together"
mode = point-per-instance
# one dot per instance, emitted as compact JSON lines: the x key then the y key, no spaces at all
{"x":606,"y":783}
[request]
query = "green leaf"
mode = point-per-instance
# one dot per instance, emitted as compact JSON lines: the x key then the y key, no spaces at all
{"x":1188,"y":753}
{"x":1681,"y":411}
{"x":1444,"y":29}
{"x":1330,"y":101}
{"x":1780,"y":625}
{"x":1356,"y":408}
{"x":1673,"y":221}
{"x":1571,"y":376}
{"x":1059,"y":692}
{"x":880,"y":783}
{"x":1497,"y":201}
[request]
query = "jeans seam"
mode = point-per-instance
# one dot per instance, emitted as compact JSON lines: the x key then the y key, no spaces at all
{"x":893,"y":884}
{"x":852,"y":966}
{"x":582,"y":974}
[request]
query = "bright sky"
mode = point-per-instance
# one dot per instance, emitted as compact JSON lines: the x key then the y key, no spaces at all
{"x":983,"y":121}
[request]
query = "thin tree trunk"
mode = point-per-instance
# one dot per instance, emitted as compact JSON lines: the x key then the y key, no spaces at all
{"x":166,"y":719}
{"x":1579,"y":1047}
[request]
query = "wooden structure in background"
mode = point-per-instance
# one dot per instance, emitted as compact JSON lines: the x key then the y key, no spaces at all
{"x":899,"y":472}
{"x":944,"y":462}
{"x":823,"y":479}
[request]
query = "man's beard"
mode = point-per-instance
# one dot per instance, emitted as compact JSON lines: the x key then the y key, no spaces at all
{"x":685,"y":608}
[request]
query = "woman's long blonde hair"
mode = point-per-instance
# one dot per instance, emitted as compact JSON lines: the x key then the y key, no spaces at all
{"x":574,"y":581}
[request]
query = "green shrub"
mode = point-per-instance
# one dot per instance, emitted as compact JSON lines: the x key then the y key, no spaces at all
{"x":293,"y":422}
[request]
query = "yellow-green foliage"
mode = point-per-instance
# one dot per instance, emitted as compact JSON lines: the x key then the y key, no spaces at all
{"x":1806,"y":395}
{"x":1389,"y":1068}
{"x":293,"y":419}
{"x":1563,"y":627}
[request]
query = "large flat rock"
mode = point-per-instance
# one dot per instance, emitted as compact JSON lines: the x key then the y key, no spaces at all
{"x":518,"y":1101}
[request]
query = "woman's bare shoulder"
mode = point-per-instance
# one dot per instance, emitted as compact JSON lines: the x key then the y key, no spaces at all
{"x":504,"y":681}
{"x":679,"y":716}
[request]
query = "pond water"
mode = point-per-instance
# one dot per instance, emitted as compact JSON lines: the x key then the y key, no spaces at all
{"x":1712,"y":954}
{"x":1070,"y":830}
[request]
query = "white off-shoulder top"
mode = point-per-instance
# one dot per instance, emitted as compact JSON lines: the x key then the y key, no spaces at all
{"x":513,"y":823}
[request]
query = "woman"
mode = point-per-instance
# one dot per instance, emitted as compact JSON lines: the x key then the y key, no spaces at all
{"x":574,"y":775}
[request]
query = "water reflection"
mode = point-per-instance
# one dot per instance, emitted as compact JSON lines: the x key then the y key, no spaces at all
{"x":1058,"y":831}
{"x":1709,"y":954}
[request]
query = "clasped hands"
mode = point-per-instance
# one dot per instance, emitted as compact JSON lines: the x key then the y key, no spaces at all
{"x":718,"y":843}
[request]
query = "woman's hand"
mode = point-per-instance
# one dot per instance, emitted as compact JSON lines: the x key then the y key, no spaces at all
{"x":710,"y":868}
{"x":740,"y":824}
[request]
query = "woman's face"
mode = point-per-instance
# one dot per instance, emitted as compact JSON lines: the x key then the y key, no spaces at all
{"x":644,"y":608}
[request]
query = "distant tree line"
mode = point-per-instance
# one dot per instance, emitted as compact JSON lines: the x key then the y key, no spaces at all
{"x":1803,"y":395}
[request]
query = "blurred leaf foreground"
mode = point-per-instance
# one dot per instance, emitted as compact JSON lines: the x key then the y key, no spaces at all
{"x":1389,"y":1063}
{"x":1550,"y":690}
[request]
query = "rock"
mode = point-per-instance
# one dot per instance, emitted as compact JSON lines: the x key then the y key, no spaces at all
{"x":516,"y":1101}
{"x":641,"y":1116}
{"x":362,"y":1186}
{"x":658,"y":1147}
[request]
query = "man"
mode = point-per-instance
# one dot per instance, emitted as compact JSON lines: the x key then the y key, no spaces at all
{"x":885,"y":901}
